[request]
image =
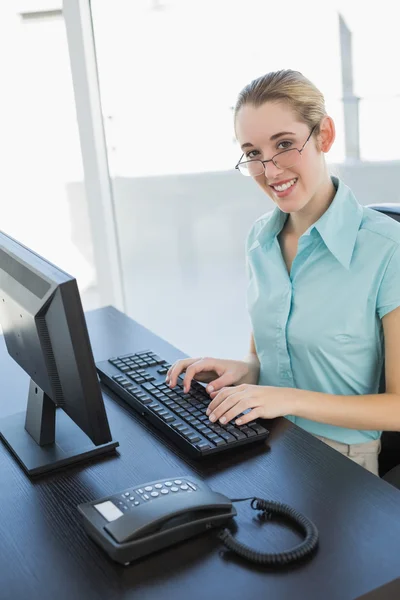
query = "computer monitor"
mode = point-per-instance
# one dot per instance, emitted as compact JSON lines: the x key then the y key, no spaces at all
{"x":45,"y":332}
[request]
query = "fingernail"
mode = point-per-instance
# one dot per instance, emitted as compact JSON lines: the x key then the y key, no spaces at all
{"x":210,"y":388}
{"x":208,"y":411}
{"x":167,"y":379}
{"x":222,"y":420}
{"x":212,"y":417}
{"x":239,"y":422}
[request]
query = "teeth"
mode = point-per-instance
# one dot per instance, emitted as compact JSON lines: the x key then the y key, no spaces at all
{"x":285,"y":186}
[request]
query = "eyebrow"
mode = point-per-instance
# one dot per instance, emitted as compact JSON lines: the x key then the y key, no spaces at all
{"x":272,"y":138}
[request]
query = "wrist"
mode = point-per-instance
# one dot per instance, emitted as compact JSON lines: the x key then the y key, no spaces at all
{"x":295,"y":401}
{"x":253,"y":373}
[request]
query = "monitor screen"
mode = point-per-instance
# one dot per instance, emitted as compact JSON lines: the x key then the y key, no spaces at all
{"x":45,"y":332}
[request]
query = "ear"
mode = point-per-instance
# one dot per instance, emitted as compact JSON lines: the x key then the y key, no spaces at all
{"x":327,"y":134}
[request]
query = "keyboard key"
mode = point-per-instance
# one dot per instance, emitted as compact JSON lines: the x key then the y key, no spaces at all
{"x":257,"y":427}
{"x":239,"y":435}
{"x":219,"y":441}
{"x":206,"y":431}
{"x":126,"y":384}
{"x":178,"y":425}
{"x":161,"y":411}
{"x":192,"y":437}
{"x":228,"y":437}
{"x":247,"y":431}
{"x":149,"y":387}
{"x":144,"y":401}
{"x":168,"y":418}
{"x":204,"y":445}
{"x":184,"y":429}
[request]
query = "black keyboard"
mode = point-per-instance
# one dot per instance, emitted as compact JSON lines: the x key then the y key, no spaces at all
{"x":139,"y":379}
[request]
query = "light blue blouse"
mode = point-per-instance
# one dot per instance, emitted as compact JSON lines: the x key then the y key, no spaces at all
{"x":320,"y":327}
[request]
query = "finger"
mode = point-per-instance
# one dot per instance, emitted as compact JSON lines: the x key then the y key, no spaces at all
{"x":253,"y":414}
{"x":222,"y":395}
{"x":177,"y":368}
{"x":231,"y":407}
{"x":202,"y":364}
{"x":225,"y":380}
{"x":220,"y":406}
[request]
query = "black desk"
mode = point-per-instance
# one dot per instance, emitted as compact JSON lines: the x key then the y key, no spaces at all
{"x":45,"y":553}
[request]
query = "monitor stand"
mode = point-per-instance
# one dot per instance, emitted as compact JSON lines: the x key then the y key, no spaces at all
{"x":31,"y":436}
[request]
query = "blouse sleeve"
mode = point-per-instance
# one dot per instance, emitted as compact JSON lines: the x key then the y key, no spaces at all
{"x":389,"y":291}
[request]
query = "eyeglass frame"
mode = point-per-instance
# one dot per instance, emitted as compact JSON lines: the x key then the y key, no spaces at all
{"x":272,"y":159}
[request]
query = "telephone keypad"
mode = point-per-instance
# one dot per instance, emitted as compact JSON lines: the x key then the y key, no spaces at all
{"x":129,"y":499}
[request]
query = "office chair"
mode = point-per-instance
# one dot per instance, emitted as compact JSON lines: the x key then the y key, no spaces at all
{"x":389,"y":458}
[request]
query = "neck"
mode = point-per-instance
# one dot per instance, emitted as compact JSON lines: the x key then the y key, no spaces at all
{"x":298,"y":222}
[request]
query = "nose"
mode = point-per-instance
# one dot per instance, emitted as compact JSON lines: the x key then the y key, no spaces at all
{"x":271,"y":171}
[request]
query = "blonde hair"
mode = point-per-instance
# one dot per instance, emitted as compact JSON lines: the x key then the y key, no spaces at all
{"x":287,"y":86}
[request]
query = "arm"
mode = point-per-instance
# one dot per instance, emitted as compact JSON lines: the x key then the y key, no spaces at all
{"x":374,"y":411}
{"x":254,"y":364}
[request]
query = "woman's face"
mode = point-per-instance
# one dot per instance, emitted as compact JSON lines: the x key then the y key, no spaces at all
{"x":264,"y":131}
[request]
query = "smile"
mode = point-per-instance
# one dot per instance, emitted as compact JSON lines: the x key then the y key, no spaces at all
{"x":284,"y":186}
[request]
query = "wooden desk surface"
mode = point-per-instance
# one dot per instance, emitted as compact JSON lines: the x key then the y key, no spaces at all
{"x":45,"y":552}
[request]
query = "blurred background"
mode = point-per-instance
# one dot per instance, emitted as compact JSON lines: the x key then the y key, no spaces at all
{"x":118,"y":148}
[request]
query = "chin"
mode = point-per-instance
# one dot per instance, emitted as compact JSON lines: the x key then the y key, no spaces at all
{"x":289,"y":205}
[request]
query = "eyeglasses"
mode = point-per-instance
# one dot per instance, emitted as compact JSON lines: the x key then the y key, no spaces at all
{"x":287,"y":159}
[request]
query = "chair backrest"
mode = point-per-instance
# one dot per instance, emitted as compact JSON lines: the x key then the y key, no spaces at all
{"x":390,"y":453}
{"x":389,"y":209}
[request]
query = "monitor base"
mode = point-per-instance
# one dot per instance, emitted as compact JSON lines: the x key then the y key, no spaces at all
{"x":71,"y":446}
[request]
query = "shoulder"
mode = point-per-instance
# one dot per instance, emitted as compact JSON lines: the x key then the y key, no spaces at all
{"x":379,"y":228}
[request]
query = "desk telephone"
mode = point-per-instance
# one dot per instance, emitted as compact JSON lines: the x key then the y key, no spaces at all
{"x":144,"y":519}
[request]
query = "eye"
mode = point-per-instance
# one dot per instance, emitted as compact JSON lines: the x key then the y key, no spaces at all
{"x":284,"y":145}
{"x":252,"y":154}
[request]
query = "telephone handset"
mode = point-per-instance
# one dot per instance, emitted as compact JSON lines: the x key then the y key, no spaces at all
{"x":147,"y":518}
{"x":143,"y":519}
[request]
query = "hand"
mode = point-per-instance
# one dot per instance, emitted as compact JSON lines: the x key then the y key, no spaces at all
{"x":265,"y":402}
{"x":217,"y":372}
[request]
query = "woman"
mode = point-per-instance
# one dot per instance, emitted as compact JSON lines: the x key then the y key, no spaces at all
{"x":324,"y":286}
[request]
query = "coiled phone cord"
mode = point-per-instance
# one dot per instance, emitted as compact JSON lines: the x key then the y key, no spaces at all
{"x":268,"y":510}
